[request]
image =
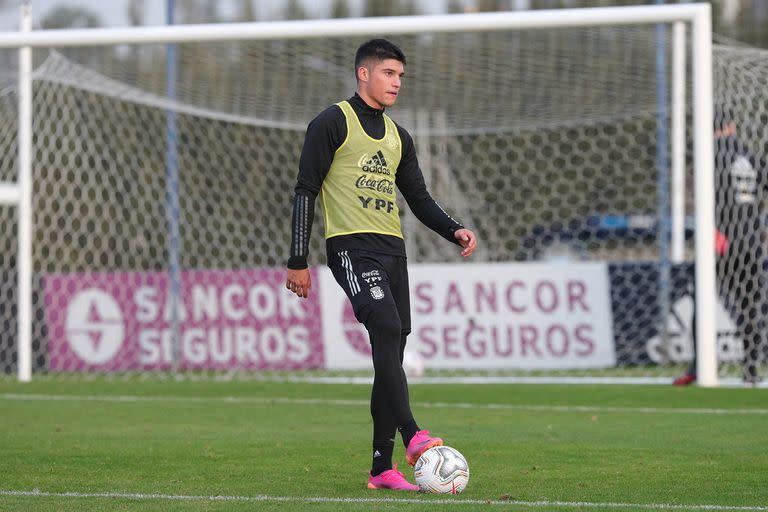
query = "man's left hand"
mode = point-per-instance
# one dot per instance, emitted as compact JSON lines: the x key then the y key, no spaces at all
{"x":467,"y":240}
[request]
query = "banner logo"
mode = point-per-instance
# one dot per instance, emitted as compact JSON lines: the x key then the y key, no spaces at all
{"x":94,"y":326}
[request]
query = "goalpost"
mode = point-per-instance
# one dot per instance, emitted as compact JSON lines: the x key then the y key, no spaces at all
{"x":568,"y":134}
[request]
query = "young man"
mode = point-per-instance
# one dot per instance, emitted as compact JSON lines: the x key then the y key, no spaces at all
{"x":354,"y":156}
{"x":742,"y":265}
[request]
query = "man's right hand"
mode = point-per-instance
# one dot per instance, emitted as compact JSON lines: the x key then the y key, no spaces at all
{"x":299,"y":282}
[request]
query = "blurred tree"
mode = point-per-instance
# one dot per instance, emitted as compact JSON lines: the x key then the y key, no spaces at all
{"x":294,"y":10}
{"x":376,"y":8}
{"x":407,"y":8}
{"x":64,"y":16}
{"x":340,"y":9}
{"x":247,"y":11}
{"x":745,"y":21}
{"x":197,"y":11}
{"x":491,"y":5}
{"x":455,"y":6}
{"x":393,"y":8}
{"x":135,"y":12}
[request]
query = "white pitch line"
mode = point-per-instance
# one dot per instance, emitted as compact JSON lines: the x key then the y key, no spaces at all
{"x":365,"y":403}
{"x":726,"y":382}
{"x":312,"y":499}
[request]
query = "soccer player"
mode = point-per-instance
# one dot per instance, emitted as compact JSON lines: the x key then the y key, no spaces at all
{"x":742,"y":266}
{"x":354,"y":156}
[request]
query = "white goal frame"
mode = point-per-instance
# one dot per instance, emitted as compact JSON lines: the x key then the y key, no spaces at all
{"x":695,"y":16}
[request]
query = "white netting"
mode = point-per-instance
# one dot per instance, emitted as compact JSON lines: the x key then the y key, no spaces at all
{"x":741,"y":179}
{"x":543,"y":141}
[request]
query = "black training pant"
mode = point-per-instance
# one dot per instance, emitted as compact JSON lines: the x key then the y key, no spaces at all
{"x":377,"y":287}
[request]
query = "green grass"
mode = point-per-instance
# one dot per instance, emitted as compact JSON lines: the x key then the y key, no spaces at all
{"x":631,"y":445}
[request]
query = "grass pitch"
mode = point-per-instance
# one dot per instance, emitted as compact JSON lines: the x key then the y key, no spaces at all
{"x":250,"y":445}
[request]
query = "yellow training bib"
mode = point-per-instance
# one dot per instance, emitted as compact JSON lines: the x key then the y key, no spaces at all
{"x":358,"y":194}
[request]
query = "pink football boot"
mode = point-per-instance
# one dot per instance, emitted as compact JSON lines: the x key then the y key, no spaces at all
{"x":420,"y":443}
{"x":391,"y":479}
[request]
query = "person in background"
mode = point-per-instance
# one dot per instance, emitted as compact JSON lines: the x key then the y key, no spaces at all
{"x":742,"y":267}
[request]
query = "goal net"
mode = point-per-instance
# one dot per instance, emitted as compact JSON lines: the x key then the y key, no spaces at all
{"x":162,"y":208}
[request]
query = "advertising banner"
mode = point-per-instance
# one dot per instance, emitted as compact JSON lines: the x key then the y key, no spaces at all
{"x":227,"y":319}
{"x":638,"y":317}
{"x":506,"y":315}
{"x":473,"y":316}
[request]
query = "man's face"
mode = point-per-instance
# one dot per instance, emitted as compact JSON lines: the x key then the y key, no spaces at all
{"x":379,"y":82}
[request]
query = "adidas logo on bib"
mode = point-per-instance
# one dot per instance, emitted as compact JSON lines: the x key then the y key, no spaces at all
{"x":376,"y":164}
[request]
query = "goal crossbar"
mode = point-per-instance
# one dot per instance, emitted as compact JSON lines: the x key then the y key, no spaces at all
{"x":473,"y":22}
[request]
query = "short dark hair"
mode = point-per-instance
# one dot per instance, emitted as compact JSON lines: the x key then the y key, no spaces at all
{"x":379,"y":49}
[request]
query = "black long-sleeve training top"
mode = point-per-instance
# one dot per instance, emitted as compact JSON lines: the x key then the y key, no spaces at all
{"x":324,"y":136}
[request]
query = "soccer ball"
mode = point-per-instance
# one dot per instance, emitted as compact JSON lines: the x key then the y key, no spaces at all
{"x":442,"y":470}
